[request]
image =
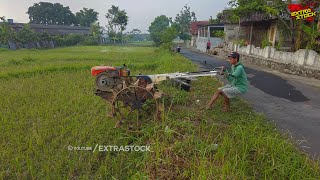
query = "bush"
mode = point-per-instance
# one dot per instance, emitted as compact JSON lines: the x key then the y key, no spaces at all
{"x":59,"y":41}
{"x":69,"y":40}
{"x":73,"y":39}
{"x":219,"y":34}
{"x":90,"y":41}
{"x":265,"y":42}
{"x":241,"y":42}
{"x":27,"y":35}
{"x":167,"y":46}
{"x":76,"y":39}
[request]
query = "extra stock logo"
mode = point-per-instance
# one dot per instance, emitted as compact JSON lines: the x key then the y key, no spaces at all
{"x":300,"y":12}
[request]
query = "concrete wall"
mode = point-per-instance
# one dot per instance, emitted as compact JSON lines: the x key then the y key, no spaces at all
{"x":303,"y":57}
{"x":303,"y":62}
{"x":202,"y":42}
{"x":230,"y":31}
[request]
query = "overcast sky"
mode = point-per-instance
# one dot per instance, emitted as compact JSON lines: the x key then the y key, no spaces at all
{"x":141,"y":12}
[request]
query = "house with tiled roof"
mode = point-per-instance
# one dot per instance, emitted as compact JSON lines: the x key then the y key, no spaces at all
{"x":195,"y":29}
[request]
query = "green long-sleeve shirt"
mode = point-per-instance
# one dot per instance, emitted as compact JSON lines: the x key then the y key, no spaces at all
{"x":238,"y":77}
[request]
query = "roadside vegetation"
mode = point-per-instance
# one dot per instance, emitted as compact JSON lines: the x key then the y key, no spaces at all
{"x":47,"y":103}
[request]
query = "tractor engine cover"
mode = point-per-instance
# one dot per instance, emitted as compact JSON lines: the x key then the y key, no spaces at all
{"x":96,"y":70}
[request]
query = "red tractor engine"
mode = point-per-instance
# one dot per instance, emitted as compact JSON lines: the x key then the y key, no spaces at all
{"x":108,"y":78}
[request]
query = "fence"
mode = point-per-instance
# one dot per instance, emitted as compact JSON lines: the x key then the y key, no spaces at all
{"x":303,"y":57}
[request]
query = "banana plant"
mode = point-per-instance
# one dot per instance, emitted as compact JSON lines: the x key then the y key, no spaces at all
{"x":312,"y":33}
{"x":6,"y":32}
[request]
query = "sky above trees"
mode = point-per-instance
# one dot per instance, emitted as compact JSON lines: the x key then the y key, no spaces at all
{"x":141,"y":12}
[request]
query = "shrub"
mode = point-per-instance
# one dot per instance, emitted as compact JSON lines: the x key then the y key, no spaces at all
{"x":90,"y":41}
{"x":59,"y":41}
{"x":241,"y":42}
{"x":167,"y":46}
{"x":265,"y":42}
{"x":73,"y":39}
{"x":27,"y":35}
{"x":219,"y":34}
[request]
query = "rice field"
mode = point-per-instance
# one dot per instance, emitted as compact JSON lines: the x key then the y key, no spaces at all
{"x":48,"y":110}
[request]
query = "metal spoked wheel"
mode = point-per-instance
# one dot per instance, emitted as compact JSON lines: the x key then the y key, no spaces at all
{"x":132,"y":105}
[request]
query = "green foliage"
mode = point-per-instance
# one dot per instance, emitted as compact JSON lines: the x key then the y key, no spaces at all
{"x":240,"y":42}
{"x":218,"y":20}
{"x":27,"y":35}
{"x":73,"y":39}
{"x":168,"y":35}
{"x":50,"y":14}
{"x":168,"y":46}
{"x":135,"y":31}
{"x":76,"y":39}
{"x":69,"y":40}
{"x":219,"y":34}
{"x":136,"y":35}
{"x":311,"y":35}
{"x":117,"y":22}
{"x":211,"y":20}
{"x":45,"y":36}
{"x":278,"y":44}
{"x":183,"y":20}
{"x":7,"y":33}
{"x":245,"y":8}
{"x":86,"y":17}
{"x":95,"y":30}
{"x":182,"y":25}
{"x":265,"y":42}
{"x":157,"y":27}
{"x":90,"y":41}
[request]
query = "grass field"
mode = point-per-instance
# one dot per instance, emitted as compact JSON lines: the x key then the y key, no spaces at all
{"x":47,"y":104}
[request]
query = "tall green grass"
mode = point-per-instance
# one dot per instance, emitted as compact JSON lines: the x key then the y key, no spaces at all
{"x":47,"y":103}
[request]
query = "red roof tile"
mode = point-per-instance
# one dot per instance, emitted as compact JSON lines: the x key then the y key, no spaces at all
{"x":195,"y":25}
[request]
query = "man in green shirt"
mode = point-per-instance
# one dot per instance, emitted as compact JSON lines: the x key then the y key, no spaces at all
{"x":238,"y":83}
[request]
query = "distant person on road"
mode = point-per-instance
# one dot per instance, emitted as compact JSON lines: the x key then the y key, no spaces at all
{"x":208,"y":46}
{"x":178,"y":48}
{"x":238,"y":82}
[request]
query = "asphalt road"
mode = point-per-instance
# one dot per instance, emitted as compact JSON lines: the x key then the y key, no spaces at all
{"x":293,"y":105}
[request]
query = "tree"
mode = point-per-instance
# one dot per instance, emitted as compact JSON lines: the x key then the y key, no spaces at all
{"x":184,"y":20}
{"x":50,"y":14}
{"x":132,"y":35}
{"x":86,"y":17}
{"x":168,"y":35}
{"x":6,"y":32}
{"x":312,"y":35}
{"x":218,"y":20}
{"x":117,"y":22}
{"x":135,"y":31}
{"x":27,"y":35}
{"x":211,"y":20}
{"x":157,"y":27}
{"x":245,"y":8}
{"x":95,"y":30}
{"x":45,"y":36}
